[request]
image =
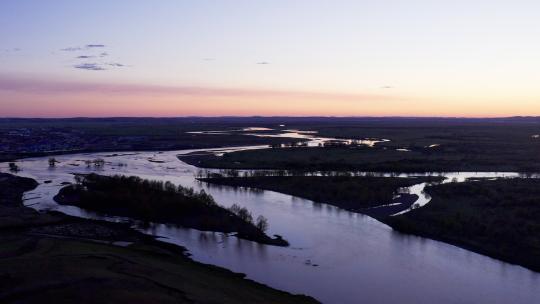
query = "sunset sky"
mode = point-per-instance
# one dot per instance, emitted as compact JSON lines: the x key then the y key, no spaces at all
{"x":213,"y":58}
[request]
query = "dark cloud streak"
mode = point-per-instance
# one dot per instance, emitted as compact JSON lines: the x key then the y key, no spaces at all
{"x":89,"y":67}
{"x":71,"y":49}
{"x":116,"y":64}
{"x":78,"y":48}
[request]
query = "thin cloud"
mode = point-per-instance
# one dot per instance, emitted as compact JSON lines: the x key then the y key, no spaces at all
{"x":11,"y":50}
{"x":71,"y":49}
{"x":104,"y":54}
{"x":116,"y":64}
{"x":89,"y":67}
{"x":263,"y":62}
{"x":85,"y":57}
{"x":387,"y":87}
{"x":78,"y":48}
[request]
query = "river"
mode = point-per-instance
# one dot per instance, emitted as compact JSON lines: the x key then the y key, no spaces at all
{"x":335,"y":256}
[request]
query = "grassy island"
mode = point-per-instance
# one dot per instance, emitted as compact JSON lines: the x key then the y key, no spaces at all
{"x":353,"y":193}
{"x":499,"y":218}
{"x":161,"y":202}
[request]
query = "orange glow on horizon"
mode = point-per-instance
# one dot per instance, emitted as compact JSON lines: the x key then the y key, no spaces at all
{"x":40,"y":98}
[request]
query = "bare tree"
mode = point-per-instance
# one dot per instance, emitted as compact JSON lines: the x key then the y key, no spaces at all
{"x":262,"y":223}
{"x":245,"y":215}
{"x":235,"y":208}
{"x":99,"y":162}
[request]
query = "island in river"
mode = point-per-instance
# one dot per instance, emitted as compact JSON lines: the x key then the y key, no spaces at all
{"x":54,"y":258}
{"x":155,"y":201}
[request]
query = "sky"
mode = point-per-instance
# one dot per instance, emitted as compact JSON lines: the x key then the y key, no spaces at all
{"x":296,"y":58}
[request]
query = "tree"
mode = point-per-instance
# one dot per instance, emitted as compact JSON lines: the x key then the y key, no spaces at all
{"x":13,"y":167}
{"x":262,"y":223}
{"x":99,"y":162}
{"x":235,"y":209}
{"x":242,"y":213}
{"x":79,"y":179}
{"x":52,"y":162}
{"x":245,"y":215}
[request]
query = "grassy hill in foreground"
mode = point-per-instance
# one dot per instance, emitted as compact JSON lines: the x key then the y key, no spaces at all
{"x":54,"y":258}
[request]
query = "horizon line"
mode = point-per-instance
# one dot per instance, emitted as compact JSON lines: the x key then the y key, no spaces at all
{"x":274,"y":116}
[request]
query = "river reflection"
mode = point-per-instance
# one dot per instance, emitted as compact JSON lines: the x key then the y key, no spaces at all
{"x":335,"y":255}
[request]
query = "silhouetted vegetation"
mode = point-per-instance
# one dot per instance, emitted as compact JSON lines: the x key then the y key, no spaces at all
{"x":158,"y":201}
{"x":500,"y":218}
{"x":13,"y":167}
{"x":353,"y":193}
{"x":12,"y":188}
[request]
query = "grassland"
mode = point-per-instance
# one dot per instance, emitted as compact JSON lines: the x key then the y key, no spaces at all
{"x":434,"y":145}
{"x":38,"y":269}
{"x":499,"y":218}
{"x":383,"y":158}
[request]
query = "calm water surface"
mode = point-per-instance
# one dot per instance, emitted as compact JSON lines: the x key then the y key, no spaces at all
{"x":335,"y":255}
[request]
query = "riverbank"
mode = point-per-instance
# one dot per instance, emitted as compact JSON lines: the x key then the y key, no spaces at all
{"x":499,"y":218}
{"x":374,"y":196}
{"x":51,"y":257}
